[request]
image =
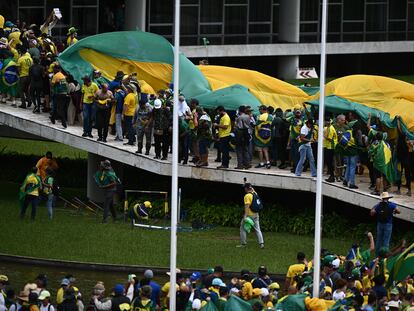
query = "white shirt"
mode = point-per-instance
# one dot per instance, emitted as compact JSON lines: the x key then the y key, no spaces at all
{"x":130,"y":292}
{"x":304,"y":130}
{"x":49,"y":307}
{"x":338,"y":295}
{"x":183,"y":108}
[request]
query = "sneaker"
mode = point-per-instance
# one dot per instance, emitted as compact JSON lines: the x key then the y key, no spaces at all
{"x":408,"y":193}
{"x":157,"y":157}
{"x":218,"y":160}
{"x":104,"y":140}
{"x":241,"y":245}
{"x":90,"y":136}
{"x":260,"y":165}
{"x":353,"y":187}
{"x":262,"y":246}
{"x":22,"y":106}
{"x":268,"y":165}
{"x":164,"y":159}
{"x":84,"y":135}
{"x":345,"y":183}
{"x":238,"y":167}
{"x":282,"y":166}
{"x":147,"y":152}
{"x":375,"y":193}
{"x":99,"y":139}
{"x":330,"y":179}
{"x":139,"y":151}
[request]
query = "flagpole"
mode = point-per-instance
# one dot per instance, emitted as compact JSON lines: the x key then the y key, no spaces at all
{"x":174,"y":165}
{"x":318,"y":202}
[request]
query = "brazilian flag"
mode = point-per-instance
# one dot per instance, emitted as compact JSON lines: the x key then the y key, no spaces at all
{"x":400,"y":266}
{"x":381,"y":154}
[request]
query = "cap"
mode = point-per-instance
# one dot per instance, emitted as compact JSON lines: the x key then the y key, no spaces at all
{"x":24,"y":296}
{"x":157,"y":103}
{"x":274,"y":286}
{"x":44,"y":294}
{"x":195,"y":276}
{"x":4,"y":279}
{"x":394,"y":291}
{"x":234,"y":290}
{"x":385,"y":195}
{"x":65,"y":282}
{"x":118,"y":289}
{"x":218,"y":282}
{"x":327,"y":289}
{"x":265,"y":292}
{"x":72,"y":30}
{"x":148,"y":274}
{"x":148,"y":204}
{"x":393,"y":303}
{"x":335,"y":263}
{"x":196,"y":304}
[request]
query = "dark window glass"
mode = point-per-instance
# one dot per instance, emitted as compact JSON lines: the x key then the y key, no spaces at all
{"x":334,"y":1}
{"x":333,"y":38}
{"x":259,"y":40}
{"x":212,"y":40}
{"x":411,"y":16}
{"x":275,"y":18}
{"x":236,"y":1}
{"x":381,"y":36}
{"x":29,"y":2}
{"x":276,"y":1}
{"x":410,"y":36}
{"x":259,"y":11}
{"x":275,"y":39}
{"x":309,"y":10}
{"x":353,"y":27}
{"x":396,"y":36}
{"x":235,"y":40}
{"x":210,"y":29}
{"x":235,"y":20}
{"x":64,"y":7}
{"x":397,"y":9}
{"x":31,"y":16}
{"x":85,"y":20}
{"x":85,"y":2}
{"x":189,"y":1}
{"x":188,"y":40}
{"x":211,"y":11}
{"x":161,"y":11}
{"x":396,"y":26}
{"x":308,"y":38}
{"x":311,"y":27}
{"x":354,"y":9}
{"x":259,"y":28}
{"x":334,"y":20}
{"x":9,"y":10}
{"x":352,"y":37}
{"x":376,"y":17}
{"x":189,"y":20}
{"x":162,"y":30}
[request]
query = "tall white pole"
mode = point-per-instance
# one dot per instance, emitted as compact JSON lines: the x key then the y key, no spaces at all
{"x":174,"y":173}
{"x":318,"y":203}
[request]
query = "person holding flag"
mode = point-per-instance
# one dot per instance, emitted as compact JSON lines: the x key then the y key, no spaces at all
{"x":29,"y":193}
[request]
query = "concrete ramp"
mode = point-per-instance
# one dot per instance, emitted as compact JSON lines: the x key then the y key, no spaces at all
{"x":40,"y":125}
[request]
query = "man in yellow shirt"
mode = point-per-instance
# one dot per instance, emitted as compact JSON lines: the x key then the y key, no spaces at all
{"x":296,"y":270}
{"x":330,"y":139}
{"x":29,"y":193}
{"x":72,"y":33}
{"x":24,"y":63}
{"x":224,"y":130}
{"x":249,"y":213}
{"x":89,"y":89}
{"x":130,"y":105}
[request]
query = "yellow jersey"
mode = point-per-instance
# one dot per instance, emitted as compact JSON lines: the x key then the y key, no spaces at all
{"x":24,"y":63}
{"x":32,"y":179}
{"x":330,"y":137}
{"x":89,"y":91}
{"x":130,"y":104}
{"x":248,"y":200}
{"x":224,"y":120}
{"x":71,"y":41}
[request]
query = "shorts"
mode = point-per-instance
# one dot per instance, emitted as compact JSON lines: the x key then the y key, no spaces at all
{"x":257,"y":148}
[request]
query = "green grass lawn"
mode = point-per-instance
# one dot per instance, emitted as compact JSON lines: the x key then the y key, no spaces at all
{"x":35,"y":147}
{"x":71,"y":236}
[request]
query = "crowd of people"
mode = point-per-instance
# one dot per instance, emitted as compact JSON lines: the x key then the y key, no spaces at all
{"x":280,"y":138}
{"x":357,"y":281}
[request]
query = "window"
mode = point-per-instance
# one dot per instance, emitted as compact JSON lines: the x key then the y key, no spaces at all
{"x":308,"y":27}
{"x":259,"y":39}
{"x":397,"y":9}
{"x":85,"y":20}
{"x":353,"y":27}
{"x":309,"y":10}
{"x":162,"y":30}
{"x":275,"y":19}
{"x":31,"y":16}
{"x":335,"y":18}
{"x":411,"y":16}
{"x":259,"y":28}
{"x":376,"y":17}
{"x":235,"y":40}
{"x":397,"y":26}
{"x":259,"y":11}
{"x":31,"y":2}
{"x":210,"y":29}
{"x":354,"y":9}
{"x":161,"y":11}
{"x":235,"y":20}
{"x":211,"y":11}
{"x":85,"y":2}
{"x":189,"y":20}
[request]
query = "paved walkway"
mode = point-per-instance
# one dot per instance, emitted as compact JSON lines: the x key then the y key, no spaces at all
{"x":40,"y":125}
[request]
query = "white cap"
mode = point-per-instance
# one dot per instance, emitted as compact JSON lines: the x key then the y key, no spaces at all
{"x":265,"y":292}
{"x":196,"y":304}
{"x":335,"y":263}
{"x":157,"y":103}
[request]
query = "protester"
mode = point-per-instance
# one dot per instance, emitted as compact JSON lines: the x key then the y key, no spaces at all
{"x":48,"y":189}
{"x":88,"y":94}
{"x":24,"y":63}
{"x":60,"y":96}
{"x":130,"y":104}
{"x":107,"y":180}
{"x":242,"y":126}
{"x":29,"y":193}
{"x":143,"y":127}
{"x":46,"y":162}
{"x":252,"y":206}
{"x":384,"y":212}
{"x":224,"y":130}
{"x":204,"y":136}
{"x":36,"y":74}
{"x":104,"y":100}
{"x":262,"y":137}
{"x":305,"y":149}
{"x":159,"y":121}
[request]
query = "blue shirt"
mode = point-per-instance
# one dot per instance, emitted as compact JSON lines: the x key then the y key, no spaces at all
{"x":119,"y":97}
{"x":391,"y":205}
{"x":155,"y":294}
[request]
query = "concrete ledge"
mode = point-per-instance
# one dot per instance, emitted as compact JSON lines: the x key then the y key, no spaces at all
{"x":286,"y":49}
{"x":38,"y":125}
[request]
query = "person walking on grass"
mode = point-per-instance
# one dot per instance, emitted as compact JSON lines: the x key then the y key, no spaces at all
{"x":107,"y":180}
{"x":29,"y":193}
{"x":252,"y":206}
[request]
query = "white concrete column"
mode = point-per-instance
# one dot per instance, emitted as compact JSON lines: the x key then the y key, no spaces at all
{"x":92,"y":191}
{"x":135,"y":14}
{"x":289,"y":27}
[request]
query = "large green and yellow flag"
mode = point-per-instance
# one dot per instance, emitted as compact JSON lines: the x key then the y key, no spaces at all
{"x":382,"y":155}
{"x":401,"y":266}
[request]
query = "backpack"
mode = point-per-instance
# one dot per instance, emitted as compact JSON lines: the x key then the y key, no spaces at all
{"x":384,"y":212}
{"x":257,"y":204}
